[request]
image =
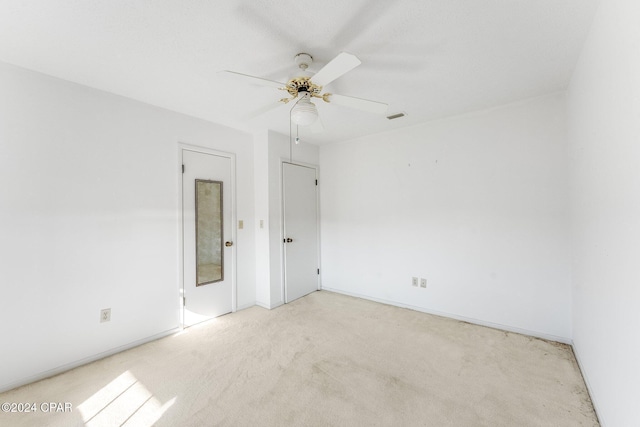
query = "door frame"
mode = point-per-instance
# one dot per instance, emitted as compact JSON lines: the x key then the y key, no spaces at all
{"x":232,"y":158}
{"x":283,"y":288}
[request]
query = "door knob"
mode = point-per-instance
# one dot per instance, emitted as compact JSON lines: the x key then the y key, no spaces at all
{"x":289,"y":240}
{"x":227,"y":244}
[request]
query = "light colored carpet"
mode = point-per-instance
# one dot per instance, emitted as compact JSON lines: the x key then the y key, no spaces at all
{"x":325,"y":359}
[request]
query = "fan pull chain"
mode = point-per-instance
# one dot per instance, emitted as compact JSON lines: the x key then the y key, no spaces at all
{"x":290,"y":132}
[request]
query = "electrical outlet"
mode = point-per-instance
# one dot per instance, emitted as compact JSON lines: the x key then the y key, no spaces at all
{"x":414,"y":281}
{"x":423,"y":283}
{"x":105,"y":315}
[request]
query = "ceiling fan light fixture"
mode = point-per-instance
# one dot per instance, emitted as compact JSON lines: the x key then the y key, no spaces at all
{"x":304,"y":113}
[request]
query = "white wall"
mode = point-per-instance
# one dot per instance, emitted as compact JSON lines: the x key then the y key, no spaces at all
{"x":261,"y":177}
{"x":476,"y":204}
{"x":604,"y":135}
{"x":89,"y":219}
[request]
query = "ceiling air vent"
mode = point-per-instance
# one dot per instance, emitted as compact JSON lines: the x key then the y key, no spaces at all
{"x":395,"y":116}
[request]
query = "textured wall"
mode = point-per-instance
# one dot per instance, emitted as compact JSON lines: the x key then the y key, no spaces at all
{"x":476,"y":204}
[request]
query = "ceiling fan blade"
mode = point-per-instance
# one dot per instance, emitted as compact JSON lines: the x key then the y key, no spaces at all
{"x":341,"y":64}
{"x":359,"y":104}
{"x":262,"y":110}
{"x":251,"y":79}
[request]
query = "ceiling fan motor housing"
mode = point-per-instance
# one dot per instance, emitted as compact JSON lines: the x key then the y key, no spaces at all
{"x":302,"y":84}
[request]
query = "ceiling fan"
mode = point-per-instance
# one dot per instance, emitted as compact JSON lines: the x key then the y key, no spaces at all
{"x":304,"y":87}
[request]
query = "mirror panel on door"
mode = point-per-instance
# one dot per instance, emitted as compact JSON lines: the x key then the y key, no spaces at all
{"x":209,"y":248}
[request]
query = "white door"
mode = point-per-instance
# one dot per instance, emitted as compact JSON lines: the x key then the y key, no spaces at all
{"x":300,"y":210}
{"x":207,"y":241}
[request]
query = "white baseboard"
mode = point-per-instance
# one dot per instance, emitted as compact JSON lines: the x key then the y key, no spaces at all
{"x":588,"y":384}
{"x":84,"y":361}
{"x":479,"y":322}
{"x":269,"y":306}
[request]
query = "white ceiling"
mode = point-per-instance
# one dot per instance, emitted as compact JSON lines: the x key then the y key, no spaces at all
{"x":427,"y":58}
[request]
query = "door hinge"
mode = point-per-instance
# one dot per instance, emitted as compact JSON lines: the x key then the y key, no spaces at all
{"x":184,"y":301}
{"x":316,"y":182}
{"x":182,"y":168}
{"x":318,"y":271}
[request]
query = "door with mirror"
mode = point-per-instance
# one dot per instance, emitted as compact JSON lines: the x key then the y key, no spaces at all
{"x":207,"y":240}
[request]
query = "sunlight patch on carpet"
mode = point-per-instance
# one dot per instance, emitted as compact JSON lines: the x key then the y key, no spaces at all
{"x":124,"y":401}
